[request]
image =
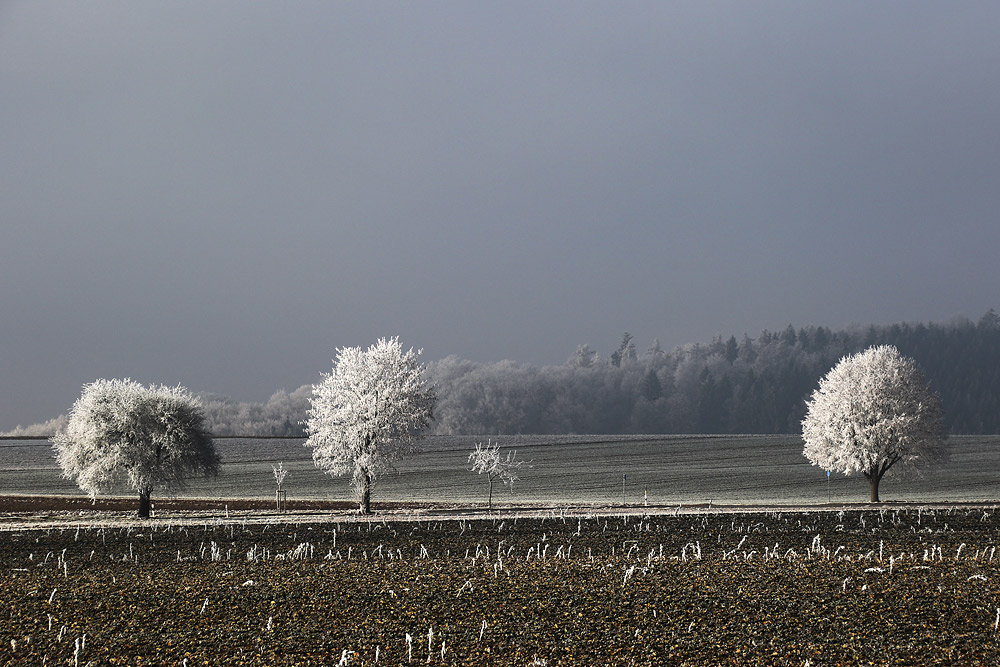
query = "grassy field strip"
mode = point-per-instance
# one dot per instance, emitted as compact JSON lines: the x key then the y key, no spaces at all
{"x":661,"y":470}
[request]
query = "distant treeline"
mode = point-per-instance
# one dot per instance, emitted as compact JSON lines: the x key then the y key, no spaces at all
{"x":750,"y":385}
{"x":725,"y":386}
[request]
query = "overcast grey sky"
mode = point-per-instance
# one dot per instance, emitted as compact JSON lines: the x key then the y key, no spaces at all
{"x":221,"y":194}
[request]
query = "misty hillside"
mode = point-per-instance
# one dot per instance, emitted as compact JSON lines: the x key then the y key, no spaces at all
{"x":747,"y":385}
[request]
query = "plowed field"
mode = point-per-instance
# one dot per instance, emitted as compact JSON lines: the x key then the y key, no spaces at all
{"x":902,"y":586}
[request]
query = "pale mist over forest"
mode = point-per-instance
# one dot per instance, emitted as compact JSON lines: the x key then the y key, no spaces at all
{"x":733,"y":385}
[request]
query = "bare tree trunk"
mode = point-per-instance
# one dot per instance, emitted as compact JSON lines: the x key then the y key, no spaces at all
{"x":144,"y":502}
{"x":366,"y":494}
{"x":489,"y":505}
{"x":878,"y":471}
{"x":874,"y":478}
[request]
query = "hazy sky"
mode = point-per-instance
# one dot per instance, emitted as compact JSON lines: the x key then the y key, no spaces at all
{"x":221,"y":194}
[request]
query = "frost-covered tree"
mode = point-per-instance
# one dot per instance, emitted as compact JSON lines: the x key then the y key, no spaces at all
{"x":120,"y":432}
{"x":487,"y":460}
{"x":625,"y":352}
{"x":368,"y":413}
{"x":870,"y":412}
{"x":584,"y":357}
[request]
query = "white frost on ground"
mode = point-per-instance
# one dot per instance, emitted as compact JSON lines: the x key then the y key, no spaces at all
{"x":16,"y":521}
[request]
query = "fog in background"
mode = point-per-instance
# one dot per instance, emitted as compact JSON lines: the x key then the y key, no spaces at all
{"x":221,"y":194}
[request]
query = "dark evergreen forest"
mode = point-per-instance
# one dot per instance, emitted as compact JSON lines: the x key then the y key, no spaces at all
{"x":750,"y":385}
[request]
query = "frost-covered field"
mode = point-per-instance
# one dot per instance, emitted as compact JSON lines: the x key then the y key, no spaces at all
{"x":911,"y":586}
{"x":566,"y":469}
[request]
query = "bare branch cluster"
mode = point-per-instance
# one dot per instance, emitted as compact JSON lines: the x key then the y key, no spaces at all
{"x":487,"y":459}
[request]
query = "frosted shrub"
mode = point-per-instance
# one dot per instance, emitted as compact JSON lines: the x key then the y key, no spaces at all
{"x":486,"y":460}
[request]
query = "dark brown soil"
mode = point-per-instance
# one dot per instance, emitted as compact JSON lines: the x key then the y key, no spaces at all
{"x":33,"y":504}
{"x":901,"y":587}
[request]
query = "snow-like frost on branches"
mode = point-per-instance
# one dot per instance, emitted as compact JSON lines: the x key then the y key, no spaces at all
{"x":120,"y":432}
{"x":487,"y":459}
{"x":369,"y":412}
{"x":871,"y":411}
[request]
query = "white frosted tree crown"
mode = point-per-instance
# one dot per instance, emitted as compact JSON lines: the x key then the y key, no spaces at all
{"x":368,"y":412}
{"x":120,"y":432}
{"x":870,"y":412}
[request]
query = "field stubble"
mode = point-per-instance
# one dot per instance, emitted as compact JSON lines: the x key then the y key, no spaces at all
{"x":899,"y":586}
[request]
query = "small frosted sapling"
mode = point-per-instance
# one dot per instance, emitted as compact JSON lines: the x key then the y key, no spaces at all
{"x":279,"y":474}
{"x":486,"y":459}
{"x":279,"y":477}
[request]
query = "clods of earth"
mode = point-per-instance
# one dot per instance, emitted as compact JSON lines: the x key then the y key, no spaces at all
{"x":866,"y":587}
